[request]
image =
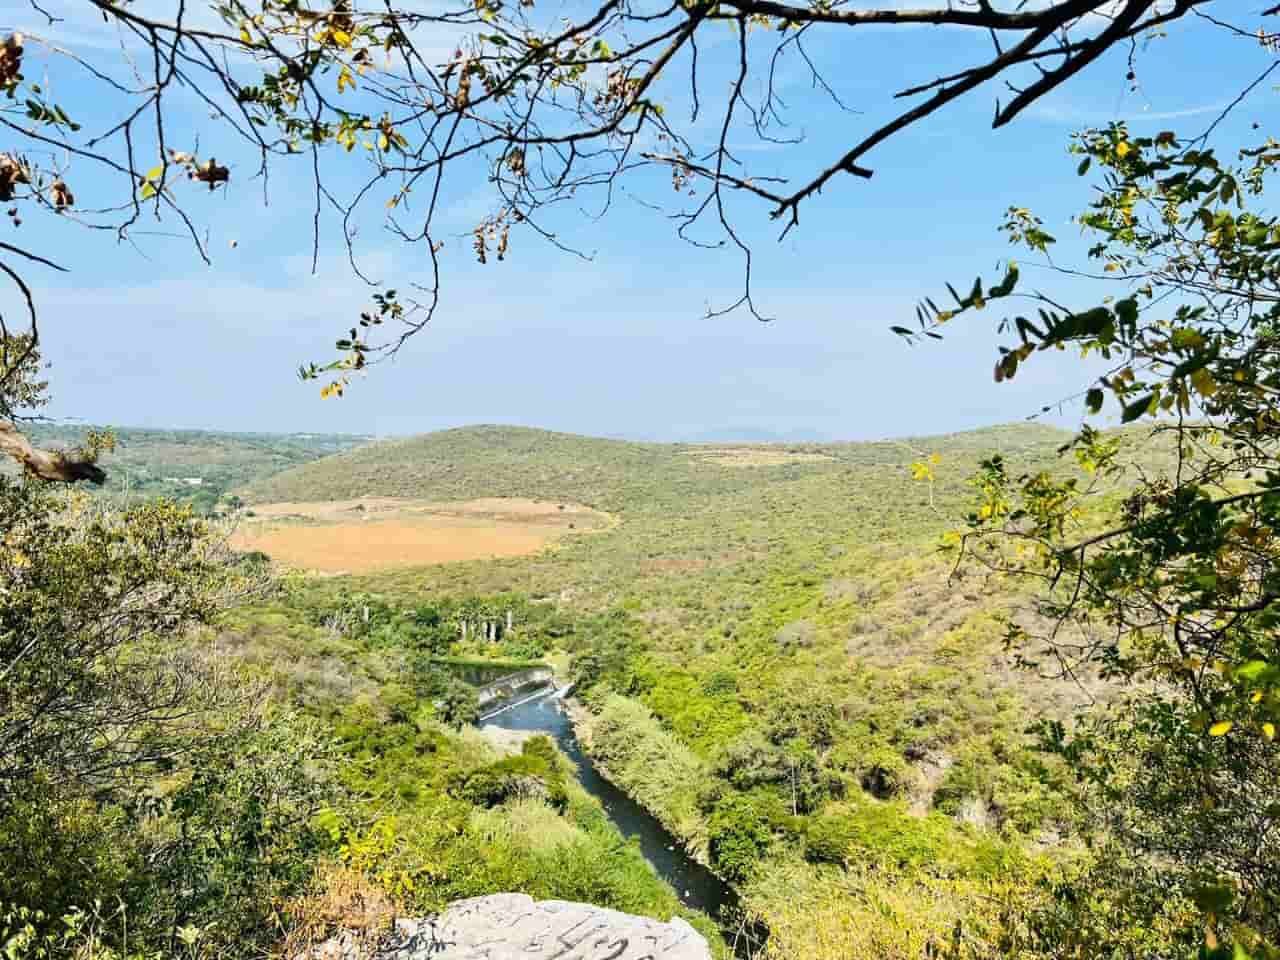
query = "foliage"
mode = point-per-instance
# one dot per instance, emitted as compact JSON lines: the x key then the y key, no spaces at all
{"x":867,"y":910}
{"x":526,"y":107}
{"x":699,"y":712}
{"x":535,"y":772}
{"x":1170,"y":588}
{"x":671,"y":619}
{"x":93,"y":606}
{"x":149,"y":803}
{"x":233,"y":837}
{"x":737,"y":836}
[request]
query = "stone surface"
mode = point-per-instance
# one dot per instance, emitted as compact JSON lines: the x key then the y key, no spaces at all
{"x":513,"y":926}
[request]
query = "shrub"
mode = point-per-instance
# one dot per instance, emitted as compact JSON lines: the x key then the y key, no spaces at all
{"x":534,"y":772}
{"x":739,"y":836}
{"x":830,"y":839}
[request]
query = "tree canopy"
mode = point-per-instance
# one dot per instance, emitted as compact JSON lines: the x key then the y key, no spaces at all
{"x":1166,"y":583}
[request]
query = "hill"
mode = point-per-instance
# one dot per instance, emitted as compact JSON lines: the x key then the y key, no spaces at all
{"x":613,"y":475}
{"x":191,"y":465}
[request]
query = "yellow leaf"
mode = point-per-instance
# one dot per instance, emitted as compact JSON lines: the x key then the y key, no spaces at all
{"x":342,"y":38}
{"x":244,"y":35}
{"x":383,"y":142}
{"x":935,"y":458}
{"x":1257,"y":697}
{"x":1203,"y":383}
{"x":1122,"y":149}
{"x":1269,"y":731}
{"x":1221,"y":728}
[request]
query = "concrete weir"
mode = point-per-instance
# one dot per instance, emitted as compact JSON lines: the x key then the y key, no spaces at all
{"x":509,"y":686}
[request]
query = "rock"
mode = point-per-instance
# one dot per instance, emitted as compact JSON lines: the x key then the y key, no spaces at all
{"x":513,"y":926}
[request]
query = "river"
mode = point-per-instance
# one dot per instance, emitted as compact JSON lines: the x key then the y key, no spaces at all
{"x":696,"y":886}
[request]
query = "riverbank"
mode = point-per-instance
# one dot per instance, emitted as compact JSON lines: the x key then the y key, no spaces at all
{"x":650,"y":764}
{"x":694,"y":884}
{"x":580,"y":716}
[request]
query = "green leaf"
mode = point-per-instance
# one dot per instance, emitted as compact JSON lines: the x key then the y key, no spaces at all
{"x":1132,"y":411}
{"x":1005,"y":287}
{"x":1251,"y":670}
{"x":1084,"y":166}
{"x":1127,"y":311}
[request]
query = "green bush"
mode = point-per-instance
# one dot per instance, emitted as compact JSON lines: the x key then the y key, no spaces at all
{"x":739,"y":836}
{"x":534,"y":772}
{"x":830,"y":839}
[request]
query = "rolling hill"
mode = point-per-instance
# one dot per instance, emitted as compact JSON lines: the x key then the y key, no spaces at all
{"x":614,"y":475}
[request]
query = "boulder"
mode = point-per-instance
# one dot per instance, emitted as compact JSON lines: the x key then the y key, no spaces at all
{"x":513,"y":926}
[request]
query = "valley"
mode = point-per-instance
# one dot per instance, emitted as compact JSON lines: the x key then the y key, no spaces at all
{"x":773,"y":660}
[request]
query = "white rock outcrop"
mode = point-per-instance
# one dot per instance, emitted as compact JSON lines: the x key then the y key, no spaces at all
{"x":514,"y":926}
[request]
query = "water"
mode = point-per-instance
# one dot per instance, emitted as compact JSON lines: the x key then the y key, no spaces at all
{"x":696,"y":886}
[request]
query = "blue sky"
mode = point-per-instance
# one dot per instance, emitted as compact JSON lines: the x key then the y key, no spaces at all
{"x":147,"y":335}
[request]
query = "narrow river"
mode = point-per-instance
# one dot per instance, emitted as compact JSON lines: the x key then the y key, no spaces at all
{"x":696,"y":886}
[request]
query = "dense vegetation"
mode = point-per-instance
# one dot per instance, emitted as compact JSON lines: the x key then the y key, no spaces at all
{"x":208,"y":794}
{"x":152,"y":463}
{"x":772,"y":660}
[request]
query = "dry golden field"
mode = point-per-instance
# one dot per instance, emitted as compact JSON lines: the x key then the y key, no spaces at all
{"x":379,"y":533}
{"x":756,"y":456}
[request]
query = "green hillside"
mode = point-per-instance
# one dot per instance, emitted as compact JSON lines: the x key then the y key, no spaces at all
{"x":608,"y":474}
{"x":771,"y":655}
{"x":148,"y":463}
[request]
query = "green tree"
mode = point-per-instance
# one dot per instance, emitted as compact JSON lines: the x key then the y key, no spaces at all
{"x":140,"y":772}
{"x":1167,"y":584}
{"x":739,"y":836}
{"x":93,"y":606}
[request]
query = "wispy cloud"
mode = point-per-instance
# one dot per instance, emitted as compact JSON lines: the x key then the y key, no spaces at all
{"x":1070,"y":115}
